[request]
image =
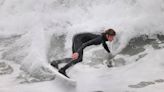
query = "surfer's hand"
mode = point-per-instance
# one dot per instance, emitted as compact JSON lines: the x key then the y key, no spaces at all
{"x":75,"y":56}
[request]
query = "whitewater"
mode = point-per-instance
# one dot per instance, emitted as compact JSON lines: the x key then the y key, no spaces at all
{"x":35,"y":32}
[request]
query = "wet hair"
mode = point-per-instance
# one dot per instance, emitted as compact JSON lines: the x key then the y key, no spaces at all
{"x":110,"y":32}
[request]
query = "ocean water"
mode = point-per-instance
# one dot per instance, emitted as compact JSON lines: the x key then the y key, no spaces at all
{"x":35,"y":32}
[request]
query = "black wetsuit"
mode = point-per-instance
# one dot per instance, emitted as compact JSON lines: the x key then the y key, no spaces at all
{"x":80,"y":41}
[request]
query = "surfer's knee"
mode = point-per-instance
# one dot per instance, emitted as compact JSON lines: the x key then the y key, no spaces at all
{"x":77,"y":61}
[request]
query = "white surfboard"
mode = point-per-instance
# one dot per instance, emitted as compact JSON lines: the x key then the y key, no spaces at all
{"x":61,"y":76}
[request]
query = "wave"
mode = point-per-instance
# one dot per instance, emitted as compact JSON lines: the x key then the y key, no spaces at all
{"x":47,"y":27}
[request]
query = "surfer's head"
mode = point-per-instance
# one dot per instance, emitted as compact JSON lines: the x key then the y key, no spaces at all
{"x":110,"y":34}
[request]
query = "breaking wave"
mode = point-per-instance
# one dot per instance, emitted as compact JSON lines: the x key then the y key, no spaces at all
{"x":34,"y":32}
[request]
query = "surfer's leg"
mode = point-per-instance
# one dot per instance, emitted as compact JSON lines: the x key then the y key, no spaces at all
{"x":55,"y":63}
{"x":71,"y":63}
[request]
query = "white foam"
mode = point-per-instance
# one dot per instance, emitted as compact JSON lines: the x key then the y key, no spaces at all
{"x":38,"y":20}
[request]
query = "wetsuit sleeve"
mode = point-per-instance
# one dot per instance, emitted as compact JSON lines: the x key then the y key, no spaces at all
{"x":106,"y":47}
{"x":95,"y":41}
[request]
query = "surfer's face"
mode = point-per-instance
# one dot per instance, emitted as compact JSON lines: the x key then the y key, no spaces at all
{"x":110,"y":37}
